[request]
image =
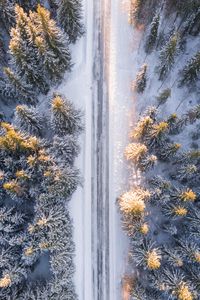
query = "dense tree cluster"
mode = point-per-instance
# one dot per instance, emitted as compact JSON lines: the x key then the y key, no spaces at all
{"x":161,"y":215}
{"x":37,"y":173}
{"x":38,"y":49}
{"x":37,"y":179}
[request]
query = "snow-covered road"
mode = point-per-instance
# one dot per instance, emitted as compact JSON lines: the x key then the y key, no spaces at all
{"x":100,"y":85}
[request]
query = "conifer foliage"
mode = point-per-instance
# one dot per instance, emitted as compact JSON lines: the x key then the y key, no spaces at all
{"x":39,"y":52}
{"x":70,"y":18}
{"x":37,"y":180}
{"x":166,"y":268}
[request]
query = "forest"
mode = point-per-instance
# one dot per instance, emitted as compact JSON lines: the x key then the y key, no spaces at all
{"x":160,"y":209}
{"x":37,"y":172}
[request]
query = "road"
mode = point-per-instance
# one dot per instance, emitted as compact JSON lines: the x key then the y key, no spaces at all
{"x":100,"y":158}
{"x":100,"y":85}
{"x":112,"y":46}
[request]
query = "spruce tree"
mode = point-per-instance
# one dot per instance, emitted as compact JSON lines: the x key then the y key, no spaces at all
{"x":18,"y":87}
{"x":65,"y":119}
{"x":25,"y":57}
{"x":189,"y":75}
{"x":69,"y":15}
{"x":168,"y":55}
{"x":7,"y":13}
{"x":163,"y":96}
{"x":55,"y":40}
{"x":141,"y":79}
{"x":28,"y":119}
{"x":192,"y":24}
{"x":153,"y":33}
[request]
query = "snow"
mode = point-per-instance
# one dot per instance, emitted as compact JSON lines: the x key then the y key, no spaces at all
{"x":77,"y":87}
{"x":122,"y":69}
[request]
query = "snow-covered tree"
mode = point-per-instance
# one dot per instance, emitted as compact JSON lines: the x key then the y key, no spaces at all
{"x":142,"y":128}
{"x":163,"y":96}
{"x":192,"y":24}
{"x":147,"y":255}
{"x":153,"y":33}
{"x":175,"y":283}
{"x":133,"y":202}
{"x":55,"y":40}
{"x":64,"y":117}
{"x":69,"y":14}
{"x":135,"y":152}
{"x":169,"y":151}
{"x":168,"y":54}
{"x":18,"y":87}
{"x":7,"y":8}
{"x":157,"y":134}
{"x":186,"y":172}
{"x":135,"y":11}
{"x":28,"y":119}
{"x":190,"y":73}
{"x":64,"y":150}
{"x":141,"y":80}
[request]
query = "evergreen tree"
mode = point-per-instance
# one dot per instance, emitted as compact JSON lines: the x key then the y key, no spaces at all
{"x":25,"y":57}
{"x":55,"y":40}
{"x":65,"y":150}
{"x":141,"y":79}
{"x":169,"y":151}
{"x":133,"y":202}
{"x":19,"y":88}
{"x":190,"y":73}
{"x":153,"y":33}
{"x":192,"y":24}
{"x":168,"y":55}
{"x":135,"y":11}
{"x":163,"y":96}
{"x":142,"y":128}
{"x":65,"y":119}
{"x":28,"y":119}
{"x":147,"y":256}
{"x":7,"y":8}
{"x":70,"y":18}
{"x":157,"y":134}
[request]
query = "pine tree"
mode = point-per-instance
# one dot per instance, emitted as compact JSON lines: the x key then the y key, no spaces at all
{"x":25,"y":57}
{"x":168,"y":55}
{"x":157,"y":135}
{"x":153,"y":34}
{"x":65,"y":150}
{"x":55,"y":40}
{"x":192,"y":24}
{"x":175,"y":283}
{"x":141,"y":80}
{"x":135,"y":152}
{"x":186,"y":172}
{"x":189,"y":75}
{"x":163,"y":96}
{"x":135,"y":11}
{"x":70,"y":18}
{"x":169,"y":151}
{"x":16,"y":86}
{"x":147,"y":256}
{"x":28,"y":119}
{"x":133,"y":202}
{"x":142,"y":128}
{"x":7,"y":14}
{"x":65,"y":119}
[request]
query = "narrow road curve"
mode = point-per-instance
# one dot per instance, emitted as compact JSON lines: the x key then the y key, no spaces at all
{"x":100,"y":156}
